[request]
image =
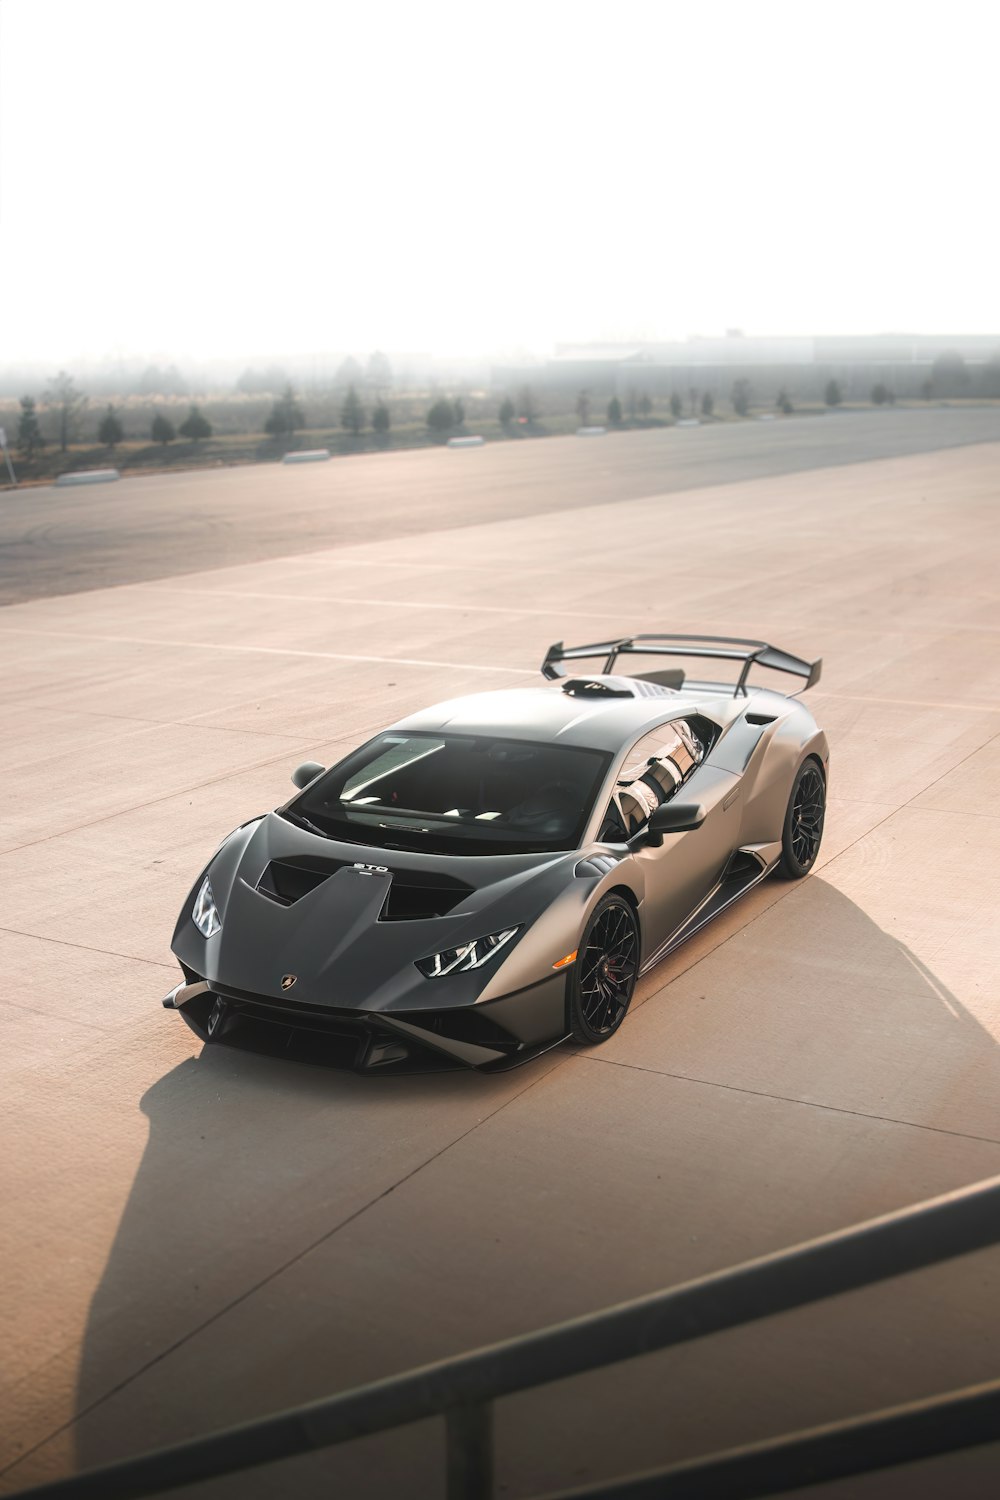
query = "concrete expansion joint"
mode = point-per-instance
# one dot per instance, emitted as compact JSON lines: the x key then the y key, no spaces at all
{"x":279,"y":757}
{"x":735,"y":1088}
{"x":132,"y":958}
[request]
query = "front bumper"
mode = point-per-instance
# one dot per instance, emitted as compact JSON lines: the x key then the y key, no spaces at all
{"x":490,"y":1037}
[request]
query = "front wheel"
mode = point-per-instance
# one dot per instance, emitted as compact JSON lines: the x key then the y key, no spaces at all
{"x":605,"y":972}
{"x":803,"y":830}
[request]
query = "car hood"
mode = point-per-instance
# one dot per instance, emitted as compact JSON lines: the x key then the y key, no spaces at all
{"x":347,"y":923}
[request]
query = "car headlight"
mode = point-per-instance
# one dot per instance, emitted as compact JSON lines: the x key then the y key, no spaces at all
{"x":205,"y":913}
{"x":469,"y":956}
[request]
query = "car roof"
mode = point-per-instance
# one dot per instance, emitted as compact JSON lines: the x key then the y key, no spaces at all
{"x":549,"y":714}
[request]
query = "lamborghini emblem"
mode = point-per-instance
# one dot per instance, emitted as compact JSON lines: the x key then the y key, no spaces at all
{"x":287,"y":980}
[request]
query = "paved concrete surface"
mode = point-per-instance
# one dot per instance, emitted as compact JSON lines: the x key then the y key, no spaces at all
{"x":191,"y":1239}
{"x":58,"y":542}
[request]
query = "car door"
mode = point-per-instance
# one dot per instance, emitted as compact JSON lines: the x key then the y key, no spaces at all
{"x":677,"y":875}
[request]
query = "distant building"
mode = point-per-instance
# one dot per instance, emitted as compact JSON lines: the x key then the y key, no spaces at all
{"x":801,"y":364}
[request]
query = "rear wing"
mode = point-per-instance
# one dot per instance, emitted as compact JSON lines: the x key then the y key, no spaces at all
{"x":715,"y":647}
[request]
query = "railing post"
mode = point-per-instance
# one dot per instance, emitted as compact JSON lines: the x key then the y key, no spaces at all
{"x":469,"y":1440}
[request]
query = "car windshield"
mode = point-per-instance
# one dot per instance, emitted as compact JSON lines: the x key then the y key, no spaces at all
{"x":455,"y":794}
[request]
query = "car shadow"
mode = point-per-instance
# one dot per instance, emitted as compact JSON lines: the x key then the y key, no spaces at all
{"x":252,"y":1163}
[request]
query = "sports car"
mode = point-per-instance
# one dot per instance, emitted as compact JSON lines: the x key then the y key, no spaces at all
{"x":489,"y":878}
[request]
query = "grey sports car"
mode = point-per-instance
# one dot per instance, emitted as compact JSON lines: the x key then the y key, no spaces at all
{"x":489,"y":878}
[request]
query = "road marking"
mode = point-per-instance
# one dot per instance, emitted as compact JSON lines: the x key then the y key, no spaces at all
{"x":414,"y":661}
{"x":389,"y":661}
{"x":489,"y":609}
{"x":155,"y":587}
{"x":969,"y":708}
{"x":312,"y":743}
{"x":338,"y":555}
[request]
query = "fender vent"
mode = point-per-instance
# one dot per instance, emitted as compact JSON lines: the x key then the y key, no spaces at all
{"x":595,"y":866}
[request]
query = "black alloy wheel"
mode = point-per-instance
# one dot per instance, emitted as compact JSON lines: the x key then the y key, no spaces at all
{"x":803,"y":830}
{"x":605,"y":972}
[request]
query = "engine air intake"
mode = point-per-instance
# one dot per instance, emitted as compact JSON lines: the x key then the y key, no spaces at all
{"x":613,"y":687}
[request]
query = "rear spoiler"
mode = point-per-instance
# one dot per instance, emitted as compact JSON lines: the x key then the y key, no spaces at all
{"x":719,"y":648}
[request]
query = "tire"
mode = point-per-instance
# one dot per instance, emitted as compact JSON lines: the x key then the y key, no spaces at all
{"x":803,"y":828}
{"x":605,"y":973}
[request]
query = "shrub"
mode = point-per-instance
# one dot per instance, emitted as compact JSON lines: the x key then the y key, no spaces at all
{"x":195,"y":426}
{"x":949,"y":376}
{"x":110,"y":432}
{"x":615,"y":412}
{"x":441,"y":417}
{"x":162,"y":430}
{"x":507,"y":412}
{"x":67,"y":403}
{"x":352,"y":413}
{"x":286,"y":414}
{"x":29,"y":432}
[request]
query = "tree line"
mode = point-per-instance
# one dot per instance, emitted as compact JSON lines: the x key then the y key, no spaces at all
{"x":445,"y":415}
{"x":66,"y":402}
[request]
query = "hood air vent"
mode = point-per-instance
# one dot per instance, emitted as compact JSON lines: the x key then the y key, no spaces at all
{"x":288,"y":880}
{"x":414,"y":896}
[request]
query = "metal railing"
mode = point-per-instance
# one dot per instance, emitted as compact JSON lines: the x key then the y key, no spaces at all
{"x":464,"y":1389}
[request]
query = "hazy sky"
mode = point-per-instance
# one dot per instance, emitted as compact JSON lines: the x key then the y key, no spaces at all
{"x":233,"y":176}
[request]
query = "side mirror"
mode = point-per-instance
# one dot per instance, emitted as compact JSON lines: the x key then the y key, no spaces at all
{"x":673,"y":817}
{"x":308,"y":771}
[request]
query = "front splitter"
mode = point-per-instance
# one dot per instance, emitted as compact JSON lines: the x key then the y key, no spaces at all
{"x":366,"y":1043}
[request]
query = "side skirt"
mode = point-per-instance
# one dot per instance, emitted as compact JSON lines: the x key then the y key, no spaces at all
{"x":747,"y":868}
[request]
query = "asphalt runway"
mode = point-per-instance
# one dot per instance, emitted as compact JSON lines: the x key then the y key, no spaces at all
{"x":193,"y":1238}
{"x":61,"y":541}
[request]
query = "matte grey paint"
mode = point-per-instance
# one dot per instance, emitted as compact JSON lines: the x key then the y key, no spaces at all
{"x":348,"y":961}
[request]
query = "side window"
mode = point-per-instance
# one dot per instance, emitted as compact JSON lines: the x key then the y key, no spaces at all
{"x":650,"y":774}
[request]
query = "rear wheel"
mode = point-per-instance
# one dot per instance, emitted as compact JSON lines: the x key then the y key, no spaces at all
{"x":803,"y":830}
{"x":605,"y":972}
